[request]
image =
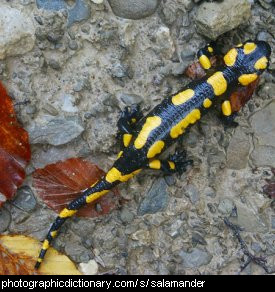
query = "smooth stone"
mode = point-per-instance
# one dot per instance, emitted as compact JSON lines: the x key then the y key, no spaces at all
{"x":25,"y":199}
{"x":215,"y":18}
{"x":238,"y":150}
{"x":90,"y":268}
{"x":17,"y":32}
{"x":155,"y":200}
{"x":133,"y":9}
{"x":195,"y":258}
{"x":5,"y":219}
{"x":57,"y":131}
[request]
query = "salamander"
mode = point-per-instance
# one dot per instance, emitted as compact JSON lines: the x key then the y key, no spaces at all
{"x":144,"y":138}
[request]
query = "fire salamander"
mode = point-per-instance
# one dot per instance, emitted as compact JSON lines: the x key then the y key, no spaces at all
{"x":146,"y":137}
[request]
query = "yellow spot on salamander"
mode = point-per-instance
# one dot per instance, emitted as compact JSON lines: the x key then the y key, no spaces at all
{"x":230,"y":57}
{"x":172,"y":164}
{"x":249,"y":48}
{"x":155,"y":149}
{"x":150,"y":124}
{"x":67,"y":213}
{"x":133,"y":120}
{"x":191,"y":118}
{"x":155,"y":164}
{"x":127,"y":139}
{"x":39,"y":260}
{"x":119,"y":154}
{"x":207,"y":103}
{"x":95,"y":196}
{"x":53,"y":234}
{"x":210,"y":49}
{"x":46,"y":244}
{"x":114,"y":175}
{"x":218,"y":82}
{"x":261,"y":63}
{"x":182,"y":97}
{"x":245,"y":79}
{"x":205,"y":62}
{"x":226,"y":108}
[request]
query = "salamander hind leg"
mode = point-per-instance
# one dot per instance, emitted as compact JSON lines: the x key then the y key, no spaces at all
{"x":180,"y":160}
{"x":176,"y":162}
{"x":235,"y":101}
{"x":227,"y":116}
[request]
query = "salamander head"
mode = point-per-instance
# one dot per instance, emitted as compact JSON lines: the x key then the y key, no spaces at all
{"x":250,"y":58}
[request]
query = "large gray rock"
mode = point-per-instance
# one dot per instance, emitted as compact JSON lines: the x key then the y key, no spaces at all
{"x":128,"y":99}
{"x":263,"y":156}
{"x":133,"y":9}
{"x":5,"y":219}
{"x":226,"y":206}
{"x":78,"y":12}
{"x":215,"y":18}
{"x":195,"y":258}
{"x":77,"y":251}
{"x":57,"y":131}
{"x":248,"y":219}
{"x":238,"y":150}
{"x":192,"y":193}
{"x":17,"y":33}
{"x":24,"y":199}
{"x":263,"y":125}
{"x":156,"y":199}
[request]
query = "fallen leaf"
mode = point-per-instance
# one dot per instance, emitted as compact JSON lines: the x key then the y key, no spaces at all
{"x":18,"y":255}
{"x":195,"y":70}
{"x":242,"y":95}
{"x":14,"y":149}
{"x":269,"y":188}
{"x":59,"y":183}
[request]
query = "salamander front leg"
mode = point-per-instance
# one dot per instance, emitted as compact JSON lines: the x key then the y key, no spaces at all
{"x":126,"y":123}
{"x":176,"y":162}
{"x":209,"y":58}
{"x":204,"y":55}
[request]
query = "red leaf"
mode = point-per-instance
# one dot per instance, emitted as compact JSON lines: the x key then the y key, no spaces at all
{"x":195,"y":70}
{"x":242,"y":95}
{"x":14,"y":149}
{"x":269,"y":188}
{"x":60,"y":183}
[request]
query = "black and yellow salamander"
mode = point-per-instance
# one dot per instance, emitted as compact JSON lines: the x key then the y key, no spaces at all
{"x":145,"y":137}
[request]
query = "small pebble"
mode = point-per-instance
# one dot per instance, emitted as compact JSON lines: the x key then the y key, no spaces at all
{"x":5,"y":219}
{"x":25,"y":199}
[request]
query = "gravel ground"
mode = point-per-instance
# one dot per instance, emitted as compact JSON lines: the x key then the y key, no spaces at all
{"x":71,"y":66}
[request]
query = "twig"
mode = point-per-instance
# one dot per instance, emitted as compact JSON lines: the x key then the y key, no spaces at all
{"x":260,"y":261}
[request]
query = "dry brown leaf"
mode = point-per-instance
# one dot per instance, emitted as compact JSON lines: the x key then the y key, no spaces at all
{"x":15,"y":152}
{"x":18,"y":255}
{"x":59,"y":183}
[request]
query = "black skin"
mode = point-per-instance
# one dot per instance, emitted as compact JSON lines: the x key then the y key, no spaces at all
{"x":125,"y":122}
